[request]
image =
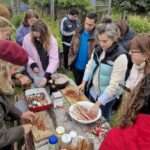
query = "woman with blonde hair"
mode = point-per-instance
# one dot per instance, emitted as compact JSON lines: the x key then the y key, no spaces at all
{"x":6,"y":28}
{"x":42,"y":50}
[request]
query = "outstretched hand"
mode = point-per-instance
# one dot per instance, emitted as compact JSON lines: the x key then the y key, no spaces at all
{"x":28,"y":116}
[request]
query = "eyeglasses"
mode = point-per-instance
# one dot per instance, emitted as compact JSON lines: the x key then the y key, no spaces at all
{"x":134,"y":52}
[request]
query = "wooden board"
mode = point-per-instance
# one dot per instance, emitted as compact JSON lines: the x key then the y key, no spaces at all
{"x":41,"y":126}
{"x":71,"y":94}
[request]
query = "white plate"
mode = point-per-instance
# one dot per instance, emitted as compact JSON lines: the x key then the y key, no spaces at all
{"x":87,"y":105}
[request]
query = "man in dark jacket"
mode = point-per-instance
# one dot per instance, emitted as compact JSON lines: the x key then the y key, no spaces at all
{"x":83,"y":42}
{"x":68,"y":25}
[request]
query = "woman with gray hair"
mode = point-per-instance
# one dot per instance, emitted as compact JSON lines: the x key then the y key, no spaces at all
{"x":105,"y":70}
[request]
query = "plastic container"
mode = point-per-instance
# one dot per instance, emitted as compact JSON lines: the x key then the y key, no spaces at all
{"x":60,"y":130}
{"x":65,"y":141}
{"x":73,"y":134}
{"x":37,"y":81}
{"x":36,"y":108}
{"x":53,"y":142}
{"x":57,"y":99}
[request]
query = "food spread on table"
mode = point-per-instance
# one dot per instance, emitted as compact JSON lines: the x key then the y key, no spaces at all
{"x":83,"y":113}
{"x":40,"y":129}
{"x":80,"y":112}
{"x":58,"y":81}
{"x":72,"y":94}
{"x":38,"y":99}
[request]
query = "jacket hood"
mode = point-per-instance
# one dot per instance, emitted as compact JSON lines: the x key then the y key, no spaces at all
{"x":142,"y":127}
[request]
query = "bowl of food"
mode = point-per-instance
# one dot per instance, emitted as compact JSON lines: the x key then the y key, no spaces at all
{"x":59,"y":80}
{"x":80,"y":112}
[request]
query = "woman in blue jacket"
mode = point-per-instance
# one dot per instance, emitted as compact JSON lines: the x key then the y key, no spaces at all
{"x":29,"y":19}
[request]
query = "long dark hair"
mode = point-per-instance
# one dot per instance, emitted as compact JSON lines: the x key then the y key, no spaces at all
{"x":123,"y":27}
{"x":42,"y":28}
{"x":28,"y":15}
{"x":138,"y":102}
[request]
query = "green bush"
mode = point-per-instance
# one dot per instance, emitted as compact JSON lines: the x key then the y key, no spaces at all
{"x":17,"y":19}
{"x":139,"y":24}
{"x":84,"y":4}
{"x":138,"y":6}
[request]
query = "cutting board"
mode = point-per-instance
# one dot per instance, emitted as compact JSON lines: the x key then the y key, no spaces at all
{"x":42,"y":126}
{"x":71,"y":94}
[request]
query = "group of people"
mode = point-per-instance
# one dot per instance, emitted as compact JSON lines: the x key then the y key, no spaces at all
{"x":41,"y":46}
{"x":101,"y":57}
{"x":109,"y":61}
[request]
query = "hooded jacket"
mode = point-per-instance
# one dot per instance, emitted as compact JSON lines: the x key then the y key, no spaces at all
{"x":135,"y":137}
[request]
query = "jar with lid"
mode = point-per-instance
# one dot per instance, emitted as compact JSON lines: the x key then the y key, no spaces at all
{"x":60,"y":130}
{"x":53,"y":142}
{"x":65,"y":141}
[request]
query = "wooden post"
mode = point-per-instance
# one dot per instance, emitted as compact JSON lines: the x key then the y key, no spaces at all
{"x":12,"y":6}
{"x":109,"y":7}
{"x":55,"y":9}
{"x":52,"y":2}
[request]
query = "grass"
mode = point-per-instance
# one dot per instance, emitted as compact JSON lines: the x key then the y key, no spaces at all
{"x":66,"y":72}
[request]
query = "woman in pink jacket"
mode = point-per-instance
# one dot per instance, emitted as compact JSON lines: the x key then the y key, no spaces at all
{"x":42,"y":50}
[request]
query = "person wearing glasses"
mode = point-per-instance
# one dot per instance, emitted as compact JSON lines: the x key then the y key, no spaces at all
{"x":140,"y":56}
{"x":105,"y":70}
